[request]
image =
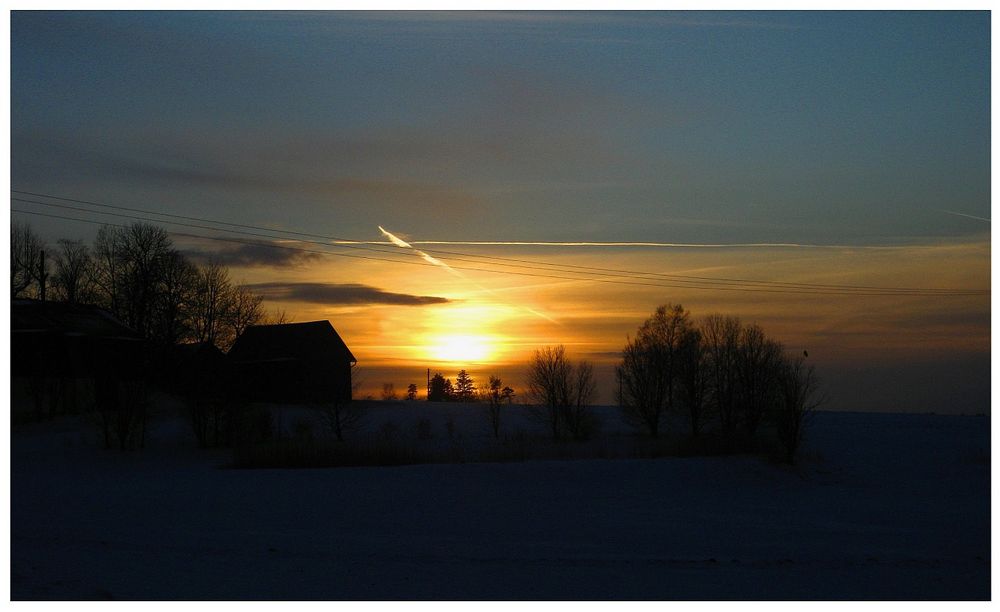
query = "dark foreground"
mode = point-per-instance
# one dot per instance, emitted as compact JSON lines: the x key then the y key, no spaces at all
{"x":883,"y":507}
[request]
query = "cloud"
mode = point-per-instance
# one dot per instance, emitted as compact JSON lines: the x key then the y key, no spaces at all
{"x":254,"y":254}
{"x":333,"y":293}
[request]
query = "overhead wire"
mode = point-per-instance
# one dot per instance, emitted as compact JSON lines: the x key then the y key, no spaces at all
{"x":339,"y":242}
{"x":676,"y":281}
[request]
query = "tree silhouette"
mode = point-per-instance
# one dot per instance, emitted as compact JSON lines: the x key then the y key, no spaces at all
{"x":26,"y":263}
{"x":73,"y":272}
{"x":465,"y":389}
{"x":440,"y":390}
{"x":650,"y":366}
{"x":562,"y":392}
{"x":797,"y":388}
{"x":243,"y":309}
{"x":692,"y":377}
{"x":411,"y":392}
{"x":507,"y":395}
{"x":758,"y":368}
{"x":720,"y":339}
{"x":493,"y":396}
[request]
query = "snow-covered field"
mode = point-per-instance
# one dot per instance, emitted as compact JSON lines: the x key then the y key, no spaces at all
{"x":882,"y":507}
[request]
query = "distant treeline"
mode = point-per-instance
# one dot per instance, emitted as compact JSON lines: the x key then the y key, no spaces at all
{"x":135,"y":273}
{"x":718,"y":376}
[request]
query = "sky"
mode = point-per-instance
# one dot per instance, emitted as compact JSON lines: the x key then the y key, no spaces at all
{"x":828,"y":148}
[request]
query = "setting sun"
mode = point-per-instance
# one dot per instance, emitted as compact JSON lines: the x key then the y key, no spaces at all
{"x":462,"y":348}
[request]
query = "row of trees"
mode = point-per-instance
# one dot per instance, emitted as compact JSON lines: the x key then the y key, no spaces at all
{"x":719,"y":370}
{"x":137,"y":274}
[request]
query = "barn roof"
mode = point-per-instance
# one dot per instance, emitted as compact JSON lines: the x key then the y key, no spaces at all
{"x":33,"y":316}
{"x":312,"y":341}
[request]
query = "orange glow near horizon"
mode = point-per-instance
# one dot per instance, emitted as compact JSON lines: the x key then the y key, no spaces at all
{"x":465,"y":332}
{"x":497,"y":329}
{"x":461,"y":348}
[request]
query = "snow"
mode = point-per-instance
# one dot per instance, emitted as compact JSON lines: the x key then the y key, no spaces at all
{"x":882,"y":507}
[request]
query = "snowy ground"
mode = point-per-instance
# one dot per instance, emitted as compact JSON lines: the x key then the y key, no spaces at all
{"x":884,"y":507}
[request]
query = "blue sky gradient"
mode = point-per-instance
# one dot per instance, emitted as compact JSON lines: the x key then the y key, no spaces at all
{"x":718,"y":127}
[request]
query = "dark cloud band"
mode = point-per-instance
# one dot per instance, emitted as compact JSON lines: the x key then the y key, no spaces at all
{"x":332,"y":293}
{"x":253,"y":255}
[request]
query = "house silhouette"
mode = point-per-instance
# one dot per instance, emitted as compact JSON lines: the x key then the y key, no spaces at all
{"x":292,"y":363}
{"x":64,"y":356}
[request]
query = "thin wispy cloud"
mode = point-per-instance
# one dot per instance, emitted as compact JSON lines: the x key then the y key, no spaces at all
{"x":958,"y":214}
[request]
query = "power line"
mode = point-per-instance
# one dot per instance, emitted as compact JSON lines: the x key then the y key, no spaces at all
{"x":497,"y":260}
{"x":955,"y":293}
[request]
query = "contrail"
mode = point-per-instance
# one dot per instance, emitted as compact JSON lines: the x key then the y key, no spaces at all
{"x":958,"y":214}
{"x":662,"y":245}
{"x":437,"y":262}
{"x":406,"y":245}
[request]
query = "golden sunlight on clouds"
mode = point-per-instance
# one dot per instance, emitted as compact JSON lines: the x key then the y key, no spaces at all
{"x":492,"y":328}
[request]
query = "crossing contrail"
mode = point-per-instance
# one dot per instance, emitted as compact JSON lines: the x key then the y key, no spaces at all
{"x":437,"y":262}
{"x":406,"y":245}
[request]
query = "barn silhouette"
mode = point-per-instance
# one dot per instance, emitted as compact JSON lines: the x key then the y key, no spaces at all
{"x":292,"y":363}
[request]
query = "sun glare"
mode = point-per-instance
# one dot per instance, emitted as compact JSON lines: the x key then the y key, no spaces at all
{"x":462,"y":348}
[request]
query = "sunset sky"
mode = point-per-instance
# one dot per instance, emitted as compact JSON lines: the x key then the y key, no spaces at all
{"x":784,"y":160}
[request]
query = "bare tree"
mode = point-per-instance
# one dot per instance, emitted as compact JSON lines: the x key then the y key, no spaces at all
{"x":492,"y":396}
{"x":128,"y":268}
{"x":649,"y":369}
{"x":692,"y":378}
{"x":109,"y":268}
{"x":720,"y":338}
{"x":278,"y":317}
{"x":797,"y":387}
{"x":577,"y":416}
{"x":27,"y":267}
{"x":562,"y":392}
{"x":549,"y":386}
{"x":73,"y":271}
{"x":244,"y":309}
{"x":211,"y":302}
{"x":175,"y":299}
{"x":757,"y":371}
{"x":145,"y":248}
